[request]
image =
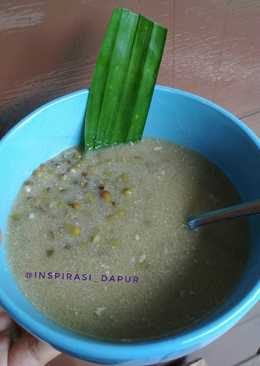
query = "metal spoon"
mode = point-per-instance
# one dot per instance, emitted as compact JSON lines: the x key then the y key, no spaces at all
{"x":231,"y":212}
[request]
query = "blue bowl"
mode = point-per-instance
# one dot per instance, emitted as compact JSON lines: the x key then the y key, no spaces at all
{"x":174,"y":116}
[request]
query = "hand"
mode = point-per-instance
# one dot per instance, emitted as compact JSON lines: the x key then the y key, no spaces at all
{"x":26,"y":350}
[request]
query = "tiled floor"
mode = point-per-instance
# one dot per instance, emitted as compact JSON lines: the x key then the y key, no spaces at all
{"x":240,"y":343}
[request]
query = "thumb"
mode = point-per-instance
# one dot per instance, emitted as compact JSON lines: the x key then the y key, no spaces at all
{"x":29,"y":351}
{"x":4,"y":347}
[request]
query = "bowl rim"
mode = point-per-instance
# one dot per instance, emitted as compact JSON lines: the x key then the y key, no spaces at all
{"x":109,"y":351}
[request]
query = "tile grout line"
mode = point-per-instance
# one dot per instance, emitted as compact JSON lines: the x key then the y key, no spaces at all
{"x":249,"y":114}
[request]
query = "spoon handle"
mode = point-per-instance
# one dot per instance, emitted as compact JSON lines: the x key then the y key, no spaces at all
{"x":231,"y":212}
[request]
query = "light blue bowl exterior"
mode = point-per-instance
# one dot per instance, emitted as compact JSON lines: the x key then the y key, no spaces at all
{"x":176,"y":116}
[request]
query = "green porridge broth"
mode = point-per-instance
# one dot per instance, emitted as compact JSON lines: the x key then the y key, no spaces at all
{"x":122,"y":211}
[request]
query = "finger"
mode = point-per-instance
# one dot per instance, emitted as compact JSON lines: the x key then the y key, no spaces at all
{"x":4,"y":347}
{"x":29,"y":351}
{"x":5,"y":321}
